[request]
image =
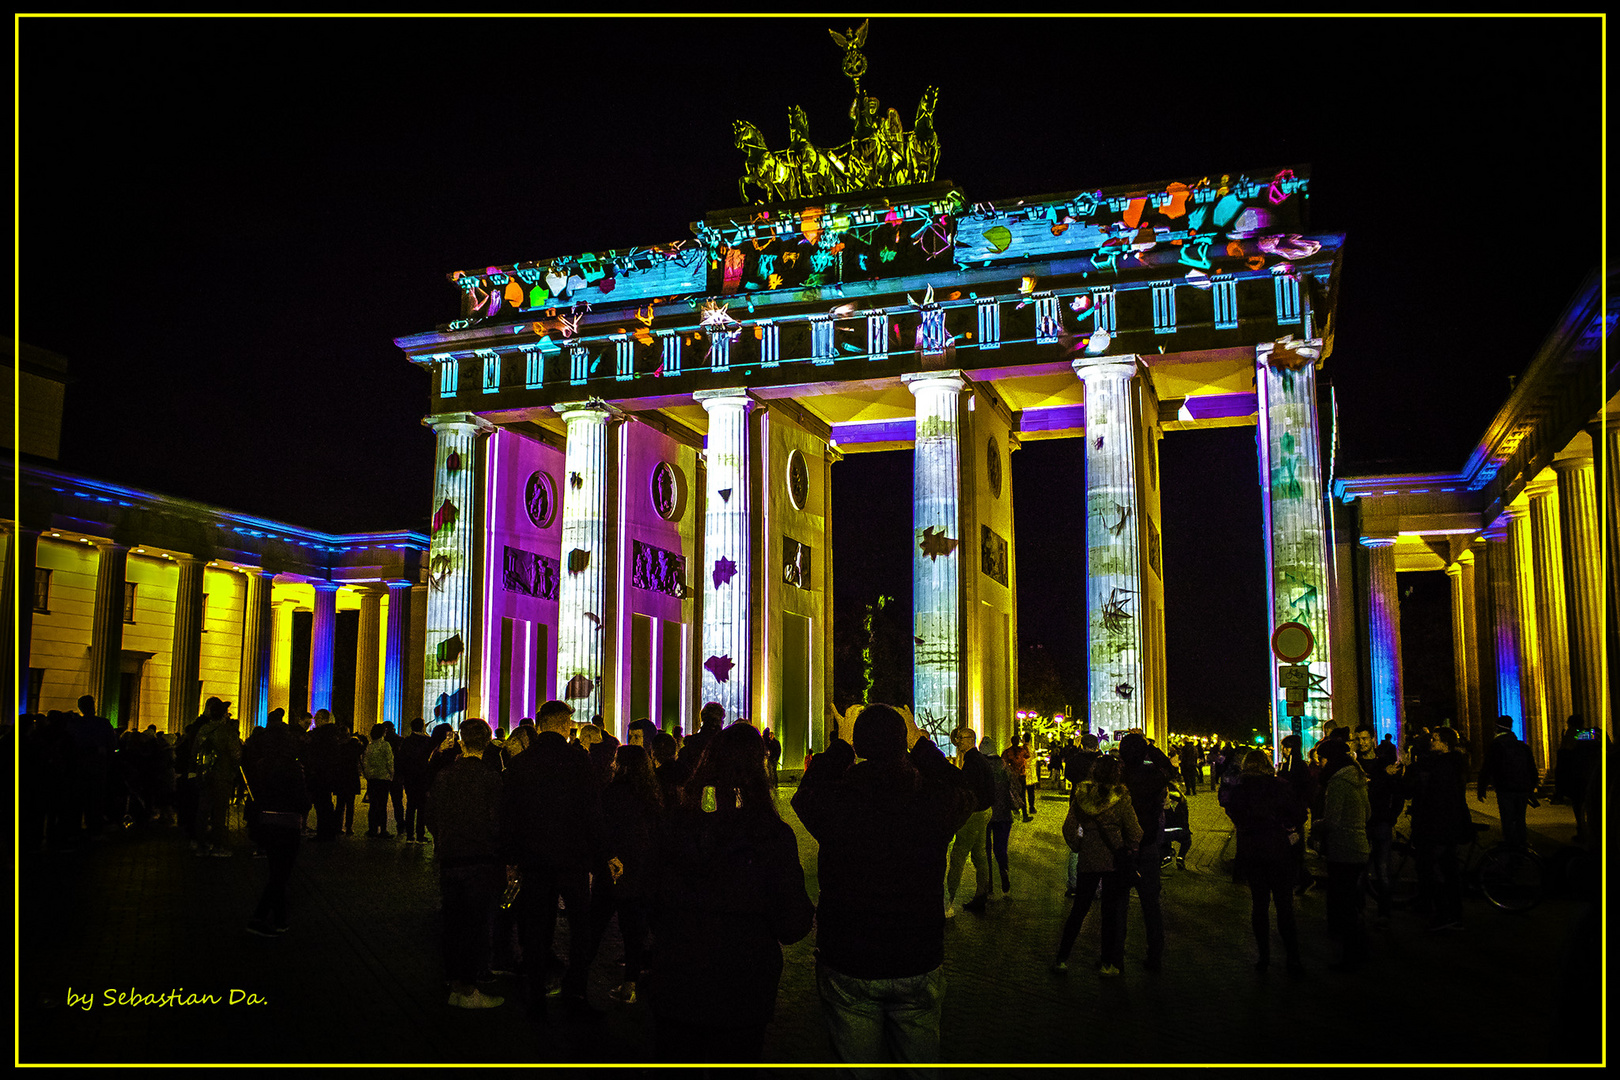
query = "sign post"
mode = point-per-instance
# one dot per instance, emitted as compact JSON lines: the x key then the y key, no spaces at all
{"x":1292,"y":643}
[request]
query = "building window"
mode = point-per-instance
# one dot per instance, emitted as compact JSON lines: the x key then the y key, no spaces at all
{"x":989,"y":324}
{"x":492,"y":370}
{"x":579,"y":364}
{"x":129,"y":601}
{"x":1287,"y":288}
{"x":42,"y":590}
{"x":449,"y":375}
{"x":877,"y":334}
{"x":36,"y":683}
{"x":202,"y":622}
{"x":821,"y":340}
{"x":672,"y":354}
{"x":770,"y":344}
{"x":1104,"y":299}
{"x":534,"y":366}
{"x":624,"y":358}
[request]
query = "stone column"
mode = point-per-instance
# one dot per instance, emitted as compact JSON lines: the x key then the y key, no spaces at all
{"x":1465,"y":645}
{"x":396,"y":636}
{"x":365,"y":660}
{"x":453,"y":594}
{"x":107,"y":631}
{"x":322,"y":640}
{"x":582,"y":607}
{"x":727,"y":644}
{"x":1384,"y":639}
{"x":1611,"y":508}
{"x":1505,"y":624}
{"x":281,"y":635}
{"x":22,"y":546}
{"x":1552,"y":617}
{"x":185,"y":657}
{"x":253,"y":697}
{"x":1583,"y":578}
{"x":937,"y":552}
{"x":1114,"y":608}
{"x":1532,"y":678}
{"x":1484,"y":654}
{"x":1294,"y":512}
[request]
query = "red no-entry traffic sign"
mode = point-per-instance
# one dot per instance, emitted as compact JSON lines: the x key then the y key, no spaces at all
{"x":1292,"y":642}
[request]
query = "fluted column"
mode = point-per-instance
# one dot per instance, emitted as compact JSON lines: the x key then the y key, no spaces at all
{"x":1506,"y":626}
{"x":22,"y":547}
{"x":1610,"y":496}
{"x":727,"y":645}
{"x":396,"y":636}
{"x":281,"y":643}
{"x":253,"y":696}
{"x":107,"y":630}
{"x":1384,"y":638}
{"x":1289,"y":443}
{"x":1532,"y":671}
{"x":185,"y":656}
{"x":1583,"y":580}
{"x":1552,"y":617}
{"x":322,"y":645}
{"x":453,"y":593}
{"x":1114,"y":610}
{"x":937,"y":552}
{"x":582,"y":600}
{"x":365,"y":659}
{"x":1465,"y":645}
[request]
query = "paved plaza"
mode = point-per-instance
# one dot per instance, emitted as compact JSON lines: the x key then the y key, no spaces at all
{"x":357,"y":979}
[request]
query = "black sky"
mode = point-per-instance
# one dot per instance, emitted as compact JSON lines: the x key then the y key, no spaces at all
{"x":225,"y":223}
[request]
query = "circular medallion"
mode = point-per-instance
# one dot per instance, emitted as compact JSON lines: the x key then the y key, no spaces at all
{"x":798,"y":480}
{"x":666,"y":489}
{"x":540,"y":500}
{"x":992,"y":468}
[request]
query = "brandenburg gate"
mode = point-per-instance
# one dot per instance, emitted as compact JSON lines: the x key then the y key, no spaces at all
{"x":632,"y":489}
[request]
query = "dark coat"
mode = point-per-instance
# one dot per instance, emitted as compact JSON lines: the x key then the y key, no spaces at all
{"x":729,"y":893}
{"x":551,"y":812}
{"x":883,"y":829}
{"x":275,"y":777}
{"x":1149,"y":784}
{"x":1438,"y":788}
{"x":1265,"y":811}
{"x":464,"y":814}
{"x":631,"y":829}
{"x":411,"y":764}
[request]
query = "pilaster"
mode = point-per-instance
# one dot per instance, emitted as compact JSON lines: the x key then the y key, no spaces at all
{"x":727,"y":644}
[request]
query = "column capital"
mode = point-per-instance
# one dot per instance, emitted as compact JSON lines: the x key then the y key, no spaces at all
{"x":1125,"y":365}
{"x":1563,"y":465}
{"x":462,"y":422}
{"x":734,"y":395}
{"x":1377,"y":541}
{"x":1540,"y":489}
{"x":1464,"y":558}
{"x":1289,"y":353}
{"x":587,"y":407}
{"x":1454,"y":570}
{"x":109,"y":546}
{"x":952,"y":378}
{"x":325,"y":586}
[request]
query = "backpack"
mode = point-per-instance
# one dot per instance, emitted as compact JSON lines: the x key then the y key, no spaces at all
{"x":204,"y":750}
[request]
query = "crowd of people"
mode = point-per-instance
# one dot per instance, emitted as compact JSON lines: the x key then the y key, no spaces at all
{"x":682,"y":841}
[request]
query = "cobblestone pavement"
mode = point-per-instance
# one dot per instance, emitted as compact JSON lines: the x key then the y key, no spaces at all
{"x":357,"y":978}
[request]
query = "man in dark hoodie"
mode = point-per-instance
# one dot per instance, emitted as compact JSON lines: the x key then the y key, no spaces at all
{"x":883,"y":825}
{"x":1148,"y":781}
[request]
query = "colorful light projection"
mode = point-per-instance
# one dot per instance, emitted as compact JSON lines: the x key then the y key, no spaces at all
{"x":727,"y":640}
{"x":1295,"y":521}
{"x":584,"y":590}
{"x":1505,"y":622}
{"x":1114,"y":593}
{"x":936,"y":556}
{"x":1384,"y":639}
{"x":452,"y":588}
{"x":1532,"y":650}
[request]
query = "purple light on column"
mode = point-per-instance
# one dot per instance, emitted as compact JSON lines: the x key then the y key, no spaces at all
{"x":322,"y":639}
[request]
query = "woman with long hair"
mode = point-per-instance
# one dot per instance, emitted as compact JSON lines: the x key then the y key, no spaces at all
{"x":1102,"y":830}
{"x":1270,"y":821}
{"x":729,"y":894}
{"x":632,"y":805}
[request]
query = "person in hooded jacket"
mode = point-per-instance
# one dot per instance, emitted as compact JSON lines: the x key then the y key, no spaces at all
{"x":279,"y":799}
{"x":1436,"y":782}
{"x":1346,"y":811}
{"x":1269,"y":818}
{"x":728,"y":894}
{"x":1102,"y":830}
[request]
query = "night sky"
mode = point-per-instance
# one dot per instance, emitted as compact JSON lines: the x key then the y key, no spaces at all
{"x":224,"y":224}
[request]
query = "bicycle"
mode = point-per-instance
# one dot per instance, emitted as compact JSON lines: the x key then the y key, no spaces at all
{"x":1510,"y":878}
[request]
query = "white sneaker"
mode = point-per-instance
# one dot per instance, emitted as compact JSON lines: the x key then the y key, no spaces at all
{"x":476,"y":1000}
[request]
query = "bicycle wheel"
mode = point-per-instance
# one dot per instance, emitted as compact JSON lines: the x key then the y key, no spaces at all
{"x":1403,"y":875}
{"x":1512,"y":880}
